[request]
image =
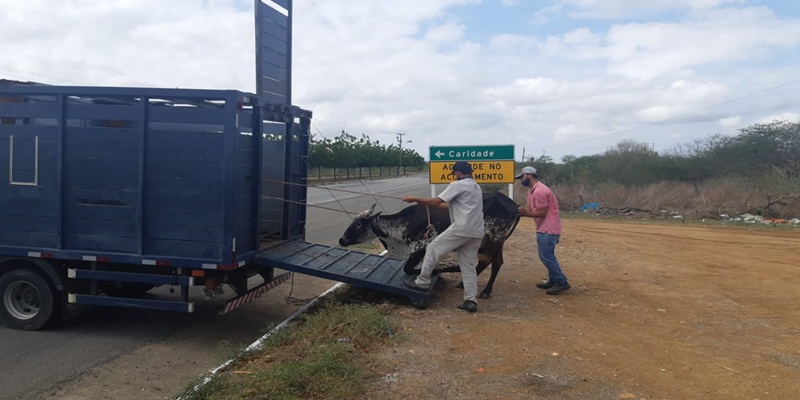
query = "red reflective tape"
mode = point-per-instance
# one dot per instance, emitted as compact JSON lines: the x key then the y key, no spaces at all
{"x":162,"y":263}
{"x":236,"y":303}
{"x":103,"y":259}
{"x":47,"y":255}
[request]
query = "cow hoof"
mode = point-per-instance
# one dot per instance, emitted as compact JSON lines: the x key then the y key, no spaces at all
{"x":485,"y":295}
{"x":420,"y":304}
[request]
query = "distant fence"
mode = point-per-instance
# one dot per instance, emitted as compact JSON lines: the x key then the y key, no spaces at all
{"x":345,"y":174}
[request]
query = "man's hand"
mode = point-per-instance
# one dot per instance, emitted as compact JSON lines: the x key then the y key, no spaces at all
{"x":410,"y":199}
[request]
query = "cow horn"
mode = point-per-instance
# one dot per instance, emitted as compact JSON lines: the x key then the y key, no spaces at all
{"x":367,"y":214}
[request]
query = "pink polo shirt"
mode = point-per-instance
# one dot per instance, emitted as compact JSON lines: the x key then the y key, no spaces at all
{"x":540,"y":196}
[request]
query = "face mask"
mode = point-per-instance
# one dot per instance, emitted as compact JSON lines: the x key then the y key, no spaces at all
{"x":526,"y":182}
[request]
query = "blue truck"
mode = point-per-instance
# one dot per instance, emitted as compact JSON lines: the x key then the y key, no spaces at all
{"x":109,"y":192}
{"x":106,"y":193}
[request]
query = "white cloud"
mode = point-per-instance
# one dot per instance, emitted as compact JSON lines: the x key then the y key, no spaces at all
{"x":730,"y":122}
{"x":583,"y":76}
{"x":628,"y":8}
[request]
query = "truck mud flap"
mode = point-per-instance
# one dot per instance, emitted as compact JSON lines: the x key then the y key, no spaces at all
{"x":370,"y":271}
{"x":254,"y":293}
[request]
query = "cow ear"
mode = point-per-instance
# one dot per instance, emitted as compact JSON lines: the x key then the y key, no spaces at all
{"x":378,"y":230}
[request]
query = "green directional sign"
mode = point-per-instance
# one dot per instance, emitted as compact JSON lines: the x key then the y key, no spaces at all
{"x":472,"y":153}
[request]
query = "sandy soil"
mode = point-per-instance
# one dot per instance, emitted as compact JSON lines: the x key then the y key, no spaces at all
{"x":657,"y":311}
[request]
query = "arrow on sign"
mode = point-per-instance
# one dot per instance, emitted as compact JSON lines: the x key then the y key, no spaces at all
{"x":438,"y":154}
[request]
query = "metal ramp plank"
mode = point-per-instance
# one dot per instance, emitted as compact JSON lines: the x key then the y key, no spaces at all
{"x":371,"y":271}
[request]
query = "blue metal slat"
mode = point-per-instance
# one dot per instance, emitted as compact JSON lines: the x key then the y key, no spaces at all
{"x":103,"y":112}
{"x":277,"y":44}
{"x":99,"y":181}
{"x":29,"y":110}
{"x":276,"y":73}
{"x":178,"y":216}
{"x":81,"y":134}
{"x":18,"y":238}
{"x":130,"y":303}
{"x":208,"y":185}
{"x":184,"y":230}
{"x":101,"y":243}
{"x":157,"y":247}
{"x":109,"y":166}
{"x":176,"y":280}
{"x":194,"y":115}
{"x":122,"y":152}
{"x":287,"y":4}
{"x":87,"y":212}
{"x":266,"y":12}
{"x":170,"y":169}
{"x":108,"y":227}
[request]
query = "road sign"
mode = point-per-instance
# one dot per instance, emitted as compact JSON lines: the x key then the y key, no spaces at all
{"x":472,"y":153}
{"x":482,"y":171}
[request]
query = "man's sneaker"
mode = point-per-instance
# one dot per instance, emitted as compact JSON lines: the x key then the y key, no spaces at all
{"x":469,"y":305}
{"x":411,"y":284}
{"x":545,"y":285}
{"x":558,"y":288}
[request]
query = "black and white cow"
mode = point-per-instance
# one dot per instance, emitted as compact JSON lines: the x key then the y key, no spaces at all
{"x":406,"y":234}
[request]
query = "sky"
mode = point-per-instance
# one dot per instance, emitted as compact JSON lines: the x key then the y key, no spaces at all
{"x":552,"y":77}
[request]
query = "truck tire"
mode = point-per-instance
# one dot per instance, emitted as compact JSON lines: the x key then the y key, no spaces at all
{"x":29,"y":302}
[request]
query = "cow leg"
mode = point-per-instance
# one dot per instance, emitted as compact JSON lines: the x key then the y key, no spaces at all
{"x":483,"y":261}
{"x":413,"y":260}
{"x":497,"y":262}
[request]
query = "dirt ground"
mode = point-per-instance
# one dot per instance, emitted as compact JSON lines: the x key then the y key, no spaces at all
{"x":656,"y":311}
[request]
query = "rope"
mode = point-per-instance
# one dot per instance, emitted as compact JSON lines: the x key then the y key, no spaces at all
{"x":331,"y":189}
{"x":429,"y":230}
{"x":306,"y":204}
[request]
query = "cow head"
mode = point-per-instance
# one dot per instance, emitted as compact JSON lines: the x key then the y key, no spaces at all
{"x":361,"y":229}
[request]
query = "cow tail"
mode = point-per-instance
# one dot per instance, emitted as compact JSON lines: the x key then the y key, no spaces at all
{"x":513,"y":227}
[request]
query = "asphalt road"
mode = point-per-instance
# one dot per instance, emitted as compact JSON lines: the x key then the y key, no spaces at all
{"x":36,"y":364}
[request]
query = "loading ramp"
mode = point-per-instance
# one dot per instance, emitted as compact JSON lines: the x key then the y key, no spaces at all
{"x":370,"y":271}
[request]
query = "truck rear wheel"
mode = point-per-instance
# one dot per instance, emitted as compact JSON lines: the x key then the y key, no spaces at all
{"x":28,"y":300}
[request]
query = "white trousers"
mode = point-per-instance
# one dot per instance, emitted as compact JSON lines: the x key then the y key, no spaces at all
{"x":467,"y":250}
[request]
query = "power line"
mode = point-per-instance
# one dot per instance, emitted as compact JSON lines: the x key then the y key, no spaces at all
{"x":23,"y":74}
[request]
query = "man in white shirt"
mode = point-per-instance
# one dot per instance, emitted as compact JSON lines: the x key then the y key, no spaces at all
{"x":464,"y":200}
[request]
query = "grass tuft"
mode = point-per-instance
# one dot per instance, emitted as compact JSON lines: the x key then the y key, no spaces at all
{"x":323,"y":356}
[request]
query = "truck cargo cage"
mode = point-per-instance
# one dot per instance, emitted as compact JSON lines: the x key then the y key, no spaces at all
{"x":146,"y":187}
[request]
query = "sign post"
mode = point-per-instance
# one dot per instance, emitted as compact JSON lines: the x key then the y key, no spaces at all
{"x":490,"y":164}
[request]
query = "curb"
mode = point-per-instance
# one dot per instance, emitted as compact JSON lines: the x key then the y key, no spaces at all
{"x":257,"y":345}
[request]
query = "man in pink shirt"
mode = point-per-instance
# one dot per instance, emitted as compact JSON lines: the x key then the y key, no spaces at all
{"x":542,"y":206}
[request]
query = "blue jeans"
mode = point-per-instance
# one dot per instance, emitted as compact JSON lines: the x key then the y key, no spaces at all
{"x":547,"y":254}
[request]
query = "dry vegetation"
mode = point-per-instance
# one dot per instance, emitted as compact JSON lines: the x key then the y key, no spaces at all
{"x":709,"y":200}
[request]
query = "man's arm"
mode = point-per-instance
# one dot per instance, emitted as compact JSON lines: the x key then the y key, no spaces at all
{"x":540,"y":213}
{"x":426,"y":201}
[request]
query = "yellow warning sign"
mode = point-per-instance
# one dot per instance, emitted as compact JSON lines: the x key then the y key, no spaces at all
{"x":482,"y":171}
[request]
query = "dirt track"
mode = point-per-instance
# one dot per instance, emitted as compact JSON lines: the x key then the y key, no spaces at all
{"x":657,"y":311}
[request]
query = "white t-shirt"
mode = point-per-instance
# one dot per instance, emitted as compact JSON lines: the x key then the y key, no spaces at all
{"x":465,"y":201}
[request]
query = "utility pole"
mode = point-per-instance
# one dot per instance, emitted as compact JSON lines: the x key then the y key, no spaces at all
{"x":400,"y":143}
